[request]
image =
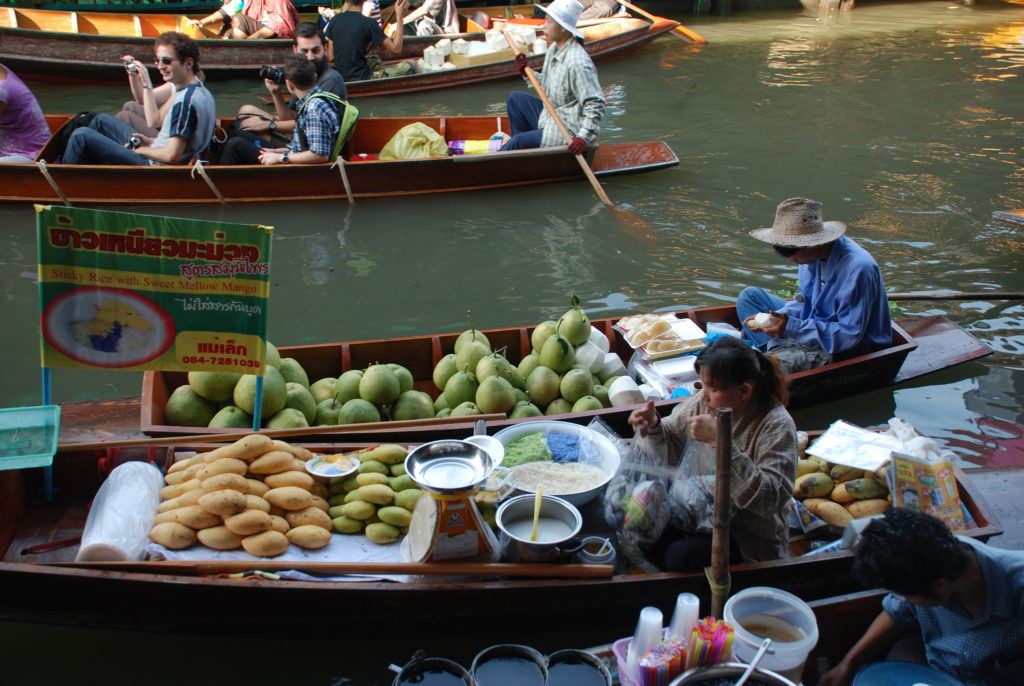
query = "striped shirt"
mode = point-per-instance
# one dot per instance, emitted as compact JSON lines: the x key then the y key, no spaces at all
{"x":316,"y":126}
{"x":987,"y":648}
{"x":570,"y":80}
{"x":193,"y":115}
{"x":764,"y":457}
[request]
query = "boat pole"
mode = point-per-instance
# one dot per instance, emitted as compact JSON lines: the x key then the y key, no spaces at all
{"x":680,"y":32}
{"x":53,"y":184}
{"x":953,"y":295}
{"x":198,"y":166}
{"x":718,"y":573}
{"x":340,"y":164}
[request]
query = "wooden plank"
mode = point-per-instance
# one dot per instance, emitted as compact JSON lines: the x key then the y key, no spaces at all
{"x":940,"y":342}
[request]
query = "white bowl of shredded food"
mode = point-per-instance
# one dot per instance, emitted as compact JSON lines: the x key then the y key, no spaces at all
{"x":568,"y":460}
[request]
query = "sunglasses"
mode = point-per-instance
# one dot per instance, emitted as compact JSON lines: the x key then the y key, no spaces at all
{"x":786,"y":252}
{"x":166,"y":61}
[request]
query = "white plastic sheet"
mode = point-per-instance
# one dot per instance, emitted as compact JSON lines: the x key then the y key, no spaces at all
{"x":122,"y":514}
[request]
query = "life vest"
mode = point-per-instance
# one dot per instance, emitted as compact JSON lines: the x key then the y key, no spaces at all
{"x":346,"y":112}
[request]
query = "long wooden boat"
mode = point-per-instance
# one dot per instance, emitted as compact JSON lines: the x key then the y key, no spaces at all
{"x":920,"y":345}
{"x":171,"y":596}
{"x":57,"y":183}
{"x":87,"y":46}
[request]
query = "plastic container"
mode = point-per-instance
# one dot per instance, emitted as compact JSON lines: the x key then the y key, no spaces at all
{"x":596,"y":550}
{"x":28,"y":436}
{"x":782,"y":617}
{"x":899,"y":673}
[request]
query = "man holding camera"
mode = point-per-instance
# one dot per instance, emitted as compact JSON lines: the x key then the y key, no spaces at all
{"x":186,"y":130}
{"x":258,"y":125}
{"x":134,"y":112}
{"x":317,"y":122}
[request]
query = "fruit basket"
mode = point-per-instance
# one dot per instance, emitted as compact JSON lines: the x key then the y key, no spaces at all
{"x":28,"y":436}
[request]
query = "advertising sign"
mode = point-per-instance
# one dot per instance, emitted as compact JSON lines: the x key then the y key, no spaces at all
{"x":133,"y":292}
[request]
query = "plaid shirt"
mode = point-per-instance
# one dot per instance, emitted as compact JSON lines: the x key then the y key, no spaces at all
{"x":570,"y":81}
{"x":317,"y":125}
{"x":979,"y":650}
{"x":764,"y":457}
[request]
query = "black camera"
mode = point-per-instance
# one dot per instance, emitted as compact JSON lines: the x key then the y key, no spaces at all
{"x":275,"y":74}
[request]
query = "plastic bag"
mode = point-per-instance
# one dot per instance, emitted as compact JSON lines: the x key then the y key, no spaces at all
{"x":414,"y":141}
{"x":692,"y":495}
{"x":636,"y":502}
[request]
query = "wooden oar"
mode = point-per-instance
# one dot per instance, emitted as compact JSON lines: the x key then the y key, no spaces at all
{"x":680,"y":32}
{"x":197,"y":568}
{"x":969,"y":295}
{"x":620,"y":213}
{"x":719,"y":578}
{"x":273,"y":433}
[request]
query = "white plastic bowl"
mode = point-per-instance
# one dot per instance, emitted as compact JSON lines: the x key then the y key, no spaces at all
{"x":609,"y":454}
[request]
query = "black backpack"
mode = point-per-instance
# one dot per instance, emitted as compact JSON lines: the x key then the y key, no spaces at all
{"x":64,"y":135}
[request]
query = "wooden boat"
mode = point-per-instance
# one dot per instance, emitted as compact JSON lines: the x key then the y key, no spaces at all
{"x":87,"y":46}
{"x":168,"y":596}
{"x":56,"y":183}
{"x":1015,"y":217}
{"x":920,"y":345}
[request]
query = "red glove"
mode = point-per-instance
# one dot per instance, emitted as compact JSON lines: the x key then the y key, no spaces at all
{"x":577,"y":145}
{"x":522,"y":63}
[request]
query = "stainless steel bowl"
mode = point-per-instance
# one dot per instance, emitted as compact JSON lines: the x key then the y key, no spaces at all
{"x":515,"y":514}
{"x":449,"y":467}
{"x":728,"y":670}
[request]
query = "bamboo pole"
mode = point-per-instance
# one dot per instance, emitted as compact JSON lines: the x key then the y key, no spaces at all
{"x":200,"y":568}
{"x":273,"y":433}
{"x":954,"y":295}
{"x":719,"y":571}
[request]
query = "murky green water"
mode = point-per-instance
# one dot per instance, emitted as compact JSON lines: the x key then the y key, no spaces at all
{"x":904,"y":119}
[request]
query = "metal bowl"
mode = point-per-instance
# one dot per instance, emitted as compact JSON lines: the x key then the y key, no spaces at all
{"x":728,"y":670}
{"x":449,"y":467}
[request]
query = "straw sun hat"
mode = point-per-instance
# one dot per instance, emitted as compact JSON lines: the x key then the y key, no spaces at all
{"x":798,"y":224}
{"x":565,"y":12}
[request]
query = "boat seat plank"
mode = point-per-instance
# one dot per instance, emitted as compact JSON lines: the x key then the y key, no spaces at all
{"x":10,"y":18}
{"x":74,"y":21}
{"x":137,"y":25}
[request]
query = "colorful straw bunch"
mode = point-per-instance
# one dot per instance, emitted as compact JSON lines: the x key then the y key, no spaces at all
{"x":662,"y":664}
{"x":710,"y":643}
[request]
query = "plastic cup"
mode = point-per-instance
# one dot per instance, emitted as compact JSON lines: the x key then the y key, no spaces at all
{"x":646,"y":636}
{"x":685,"y":616}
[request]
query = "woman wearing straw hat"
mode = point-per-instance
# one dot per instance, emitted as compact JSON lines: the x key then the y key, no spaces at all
{"x":570,"y":80}
{"x":841,"y":309}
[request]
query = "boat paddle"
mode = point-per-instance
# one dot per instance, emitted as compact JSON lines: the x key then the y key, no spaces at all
{"x":623,"y":215}
{"x":680,"y":32}
{"x":953,"y":295}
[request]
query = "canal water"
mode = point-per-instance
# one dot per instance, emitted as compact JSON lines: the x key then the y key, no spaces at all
{"x":903,"y":119}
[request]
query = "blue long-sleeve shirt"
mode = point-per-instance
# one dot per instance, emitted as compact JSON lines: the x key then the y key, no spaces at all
{"x":842,"y":306}
{"x":984,"y":650}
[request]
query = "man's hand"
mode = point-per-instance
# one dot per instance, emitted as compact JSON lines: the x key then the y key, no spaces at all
{"x":778,"y":329}
{"x":254,"y":124}
{"x":522,"y":62}
{"x":645,"y":419}
{"x":837,"y":676}
{"x":577,"y":145}
{"x":270,"y":157}
{"x":400,"y":9}
{"x":703,"y":428}
{"x":272,"y":87}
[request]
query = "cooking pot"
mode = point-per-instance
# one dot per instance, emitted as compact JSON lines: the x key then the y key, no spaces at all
{"x":729,"y":671}
{"x":560,"y":523}
{"x":430,"y":670}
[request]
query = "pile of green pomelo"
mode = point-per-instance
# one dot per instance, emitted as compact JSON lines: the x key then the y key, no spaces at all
{"x":471,"y":380}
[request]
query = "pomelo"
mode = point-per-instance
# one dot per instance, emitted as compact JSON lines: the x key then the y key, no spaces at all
{"x":444,"y":412}
{"x":557,"y":353}
{"x":379,"y":385}
{"x":413,"y":405}
{"x":587,"y":402}
{"x":525,"y":410}
{"x":444,"y":369}
{"x":575,"y":384}
{"x":299,"y":398}
{"x":495,"y":394}
{"x":358,"y":411}
{"x":470,"y":354}
{"x":558,"y":406}
{"x":528,"y":364}
{"x":405,"y":380}
{"x":541,"y":333}
{"x":274,"y":393}
{"x":288,"y":418}
{"x":327,"y":412}
{"x":601,"y":393}
{"x":465,"y":409}
{"x":323,"y":388}
{"x":185,"y":407}
{"x":292,"y":371}
{"x":231,"y":417}
{"x":440,"y":403}
{"x":271,"y":357}
{"x":215,"y":386}
{"x":574,"y":324}
{"x":470,"y":335}
{"x":460,"y":388}
{"x":542,"y":386}
{"x":497,"y":364}
{"x":347,"y":385}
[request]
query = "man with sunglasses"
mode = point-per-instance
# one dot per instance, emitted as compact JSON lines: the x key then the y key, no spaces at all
{"x":840,"y":310}
{"x":186,"y":130}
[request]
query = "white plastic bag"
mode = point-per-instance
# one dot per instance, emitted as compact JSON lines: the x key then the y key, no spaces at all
{"x":122,"y":514}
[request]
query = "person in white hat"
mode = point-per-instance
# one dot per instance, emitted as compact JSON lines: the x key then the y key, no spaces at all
{"x":841,"y":309}
{"x":569,"y":79}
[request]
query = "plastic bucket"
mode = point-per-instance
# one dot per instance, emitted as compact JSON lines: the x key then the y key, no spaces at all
{"x":763,"y":611}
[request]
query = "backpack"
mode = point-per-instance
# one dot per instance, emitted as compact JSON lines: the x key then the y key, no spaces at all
{"x":346,"y":112}
{"x":64,"y":134}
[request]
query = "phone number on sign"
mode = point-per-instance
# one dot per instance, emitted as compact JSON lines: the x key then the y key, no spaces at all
{"x":220,"y":361}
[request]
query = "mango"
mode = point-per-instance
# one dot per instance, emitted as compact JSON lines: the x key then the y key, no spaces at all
{"x":841,"y":495}
{"x":335,"y":511}
{"x":400,"y":483}
{"x":806,"y":467}
{"x":395,"y":516}
{"x":320,"y":504}
{"x":866,"y":508}
{"x":224,"y":503}
{"x":339,"y":499}
{"x":812,"y":504}
{"x":372,"y":466}
{"x":351,"y":497}
{"x":865,"y":489}
{"x":246,"y":524}
{"x":407,"y":498}
{"x":382,"y":533}
{"x":273,"y":462}
{"x":350,"y":483}
{"x":219,"y":538}
{"x":289,"y":498}
{"x":378,"y":494}
{"x":370,"y":478}
{"x":174,"y":535}
{"x":311,"y":516}
{"x":290,"y":478}
{"x":817,"y":485}
{"x":841,"y":473}
{"x":398,"y":469}
{"x":347,"y":525}
{"x":358,"y":510}
{"x":267,"y":544}
{"x":309,"y":536}
{"x":834,"y":513}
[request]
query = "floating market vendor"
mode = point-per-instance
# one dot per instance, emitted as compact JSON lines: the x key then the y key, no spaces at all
{"x":569,"y":79}
{"x":841,"y":309}
{"x":955,"y":604}
{"x":764,"y":455}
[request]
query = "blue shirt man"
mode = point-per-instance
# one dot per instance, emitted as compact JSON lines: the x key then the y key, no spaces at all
{"x":841,"y":309}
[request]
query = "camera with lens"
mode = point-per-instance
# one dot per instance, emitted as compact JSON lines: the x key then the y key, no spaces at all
{"x":134,"y":141}
{"x":275,"y":74}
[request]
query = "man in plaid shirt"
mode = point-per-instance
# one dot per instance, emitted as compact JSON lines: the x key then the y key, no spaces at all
{"x":570,"y":81}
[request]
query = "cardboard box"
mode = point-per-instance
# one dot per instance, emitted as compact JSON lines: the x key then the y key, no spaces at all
{"x":461,"y":61}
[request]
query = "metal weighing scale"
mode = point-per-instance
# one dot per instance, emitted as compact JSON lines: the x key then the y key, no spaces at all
{"x":446,"y":524}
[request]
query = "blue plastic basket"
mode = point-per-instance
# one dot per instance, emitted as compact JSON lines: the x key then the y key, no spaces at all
{"x":28,"y":436}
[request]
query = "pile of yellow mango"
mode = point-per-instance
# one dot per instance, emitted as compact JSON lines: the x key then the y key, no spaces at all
{"x":839,"y":494}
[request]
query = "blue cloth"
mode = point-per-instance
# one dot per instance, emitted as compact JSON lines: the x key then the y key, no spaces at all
{"x":102,"y":142}
{"x":841,"y":306}
{"x":523,"y":114}
{"x":316,"y":126}
{"x":978,"y":650}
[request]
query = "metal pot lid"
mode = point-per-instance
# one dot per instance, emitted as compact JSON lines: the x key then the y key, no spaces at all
{"x":449,"y":467}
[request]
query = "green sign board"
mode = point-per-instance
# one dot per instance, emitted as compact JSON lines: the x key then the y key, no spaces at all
{"x":130,"y":291}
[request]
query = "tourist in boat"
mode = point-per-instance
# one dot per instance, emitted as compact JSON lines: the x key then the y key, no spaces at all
{"x":133,"y":113}
{"x":257,"y":124}
{"x":764,"y":453}
{"x":253,"y":19}
{"x":371,"y":9}
{"x":434,"y":18}
{"x":318,"y":120}
{"x":596,"y":9}
{"x":186,"y":130}
{"x":841,"y":309}
{"x":351,"y":33}
{"x":23,"y":128}
{"x":955,"y":604}
{"x":569,"y":79}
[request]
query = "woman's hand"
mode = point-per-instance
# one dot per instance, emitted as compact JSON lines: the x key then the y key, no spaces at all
{"x":837,"y":676}
{"x":645,"y":419}
{"x":703,"y":428}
